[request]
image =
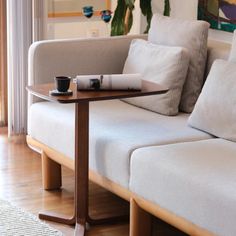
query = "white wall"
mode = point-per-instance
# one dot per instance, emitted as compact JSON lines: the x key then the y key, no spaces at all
{"x":184,"y":9}
{"x":137,"y":16}
{"x":187,"y":9}
{"x":221,"y":35}
{"x":77,"y":27}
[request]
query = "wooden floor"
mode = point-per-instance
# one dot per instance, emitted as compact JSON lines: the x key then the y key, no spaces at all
{"x":20,"y":183}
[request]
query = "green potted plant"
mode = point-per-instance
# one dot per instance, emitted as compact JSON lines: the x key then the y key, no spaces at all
{"x":123,"y":15}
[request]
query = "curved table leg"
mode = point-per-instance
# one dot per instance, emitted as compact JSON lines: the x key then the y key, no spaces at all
{"x":59,"y":218}
{"x":80,"y":229}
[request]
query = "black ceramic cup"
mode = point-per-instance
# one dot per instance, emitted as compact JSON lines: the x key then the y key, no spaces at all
{"x":62,"y":83}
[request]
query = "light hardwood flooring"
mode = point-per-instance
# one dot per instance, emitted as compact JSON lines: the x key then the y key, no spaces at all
{"x":20,"y":183}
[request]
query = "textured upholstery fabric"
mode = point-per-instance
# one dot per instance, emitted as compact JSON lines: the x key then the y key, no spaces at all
{"x":116,"y":130}
{"x":72,"y":57}
{"x":232,"y":56}
{"x":196,"y":181}
{"x":191,"y":35}
{"x":161,"y":64}
{"x":216,"y":50}
{"x":215,"y":110}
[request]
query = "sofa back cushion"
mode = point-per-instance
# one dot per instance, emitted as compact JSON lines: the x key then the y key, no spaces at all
{"x":161,"y":64}
{"x":215,"y":110}
{"x":216,"y":50}
{"x":232,"y":56}
{"x":191,"y":35}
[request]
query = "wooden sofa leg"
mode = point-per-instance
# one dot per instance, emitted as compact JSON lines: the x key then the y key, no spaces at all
{"x":140,"y":220}
{"x":51,"y":173}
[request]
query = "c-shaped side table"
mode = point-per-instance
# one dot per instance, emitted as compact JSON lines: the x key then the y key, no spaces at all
{"x":81,"y":100}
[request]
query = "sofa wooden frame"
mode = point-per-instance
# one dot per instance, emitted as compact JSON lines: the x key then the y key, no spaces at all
{"x":140,"y":209}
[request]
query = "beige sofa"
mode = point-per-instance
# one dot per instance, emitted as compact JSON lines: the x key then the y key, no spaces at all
{"x":128,"y":144}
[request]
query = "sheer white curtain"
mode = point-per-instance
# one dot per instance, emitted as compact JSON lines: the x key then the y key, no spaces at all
{"x":19,"y":23}
{"x":40,"y":18}
{"x":22,"y":30}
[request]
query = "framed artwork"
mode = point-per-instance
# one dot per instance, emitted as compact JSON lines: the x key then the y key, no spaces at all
{"x":72,"y":8}
{"x":221,"y":14}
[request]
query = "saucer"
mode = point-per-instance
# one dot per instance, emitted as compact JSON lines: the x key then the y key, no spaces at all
{"x":55,"y":92}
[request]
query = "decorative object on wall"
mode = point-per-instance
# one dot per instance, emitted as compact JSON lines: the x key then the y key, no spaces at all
{"x":106,"y":15}
{"x":123,"y":15}
{"x":74,"y":8}
{"x":88,"y":11}
{"x":221,"y":14}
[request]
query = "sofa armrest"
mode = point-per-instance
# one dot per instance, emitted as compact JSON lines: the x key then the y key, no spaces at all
{"x":80,"y":56}
{"x":51,"y":58}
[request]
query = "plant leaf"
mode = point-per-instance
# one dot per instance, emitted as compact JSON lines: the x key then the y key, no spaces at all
{"x":117,"y":24}
{"x":167,"y":8}
{"x":130,"y":8}
{"x":130,"y":4}
{"x":146,"y":9}
{"x":130,"y":21}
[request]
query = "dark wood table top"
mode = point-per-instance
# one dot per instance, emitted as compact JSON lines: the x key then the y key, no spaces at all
{"x":42,"y":91}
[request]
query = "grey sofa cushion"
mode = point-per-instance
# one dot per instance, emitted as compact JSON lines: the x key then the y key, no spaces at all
{"x":116,"y":130}
{"x":215,"y":110}
{"x":165,"y":65}
{"x":232,"y":56}
{"x":191,"y":35}
{"x":216,"y":50}
{"x":196,"y":181}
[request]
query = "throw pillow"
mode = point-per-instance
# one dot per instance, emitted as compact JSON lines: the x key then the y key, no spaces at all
{"x":191,"y":35}
{"x":161,"y":64}
{"x":232,"y":56}
{"x":215,"y":110}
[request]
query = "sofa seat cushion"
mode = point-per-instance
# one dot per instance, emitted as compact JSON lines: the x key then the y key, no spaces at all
{"x":116,"y":130}
{"x":195,"y":180}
